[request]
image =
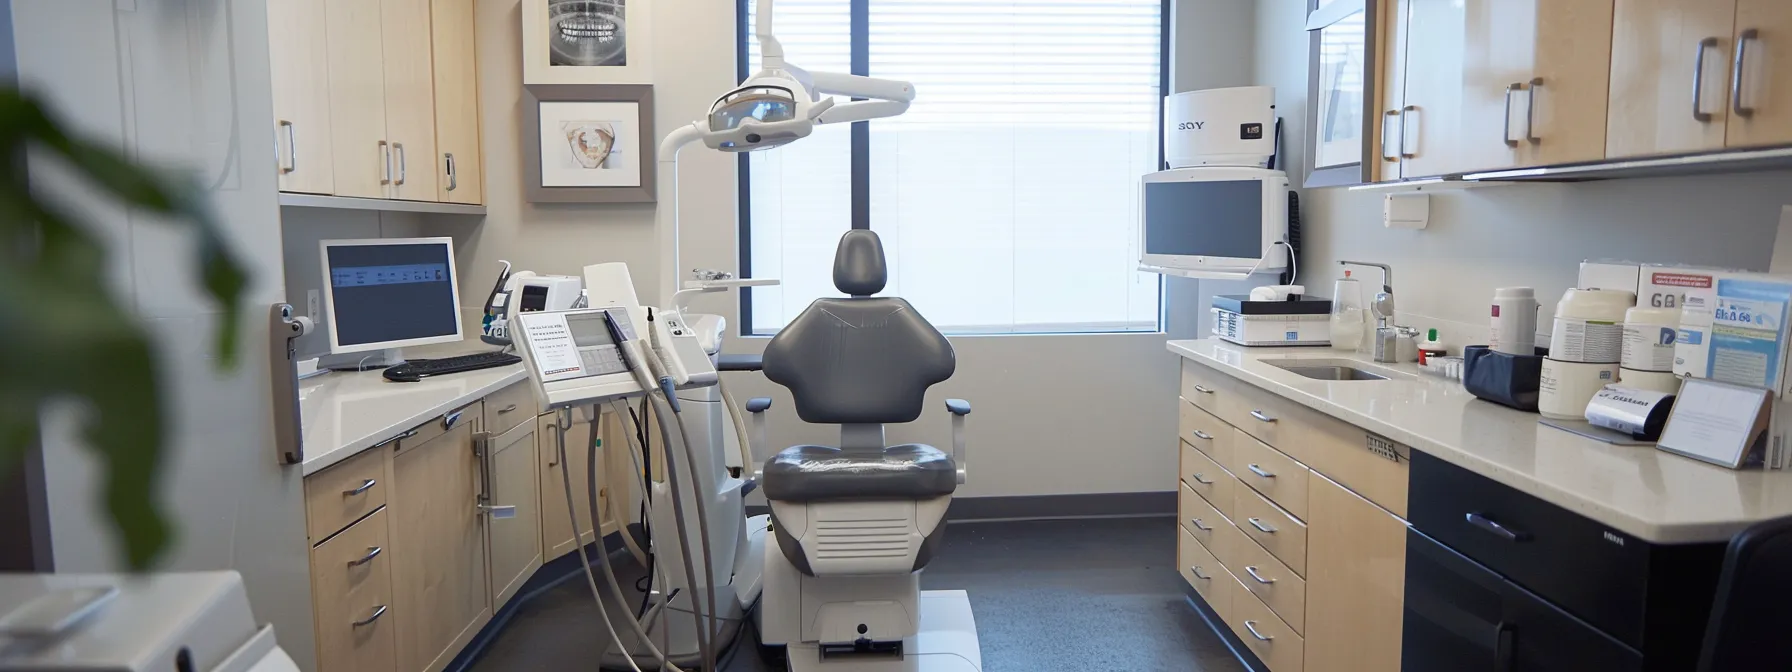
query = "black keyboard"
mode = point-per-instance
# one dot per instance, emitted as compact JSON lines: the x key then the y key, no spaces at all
{"x":418,"y":369}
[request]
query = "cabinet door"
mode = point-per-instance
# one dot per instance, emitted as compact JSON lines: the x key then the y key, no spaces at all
{"x":1432,"y":113}
{"x":458,"y":162}
{"x":1761,"y":90}
{"x":1661,"y":103}
{"x":515,"y":540}
{"x":1356,"y":573}
{"x":556,"y":526}
{"x":298,"y":46}
{"x":1565,"y":114}
{"x":1391,"y":86}
{"x":1499,"y":54}
{"x":410,"y":98}
{"x":438,"y":537}
{"x":1454,"y":613}
{"x":358,"y":151}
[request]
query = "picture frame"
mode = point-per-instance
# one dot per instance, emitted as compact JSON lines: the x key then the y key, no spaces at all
{"x":587,"y":41}
{"x":588,"y":143}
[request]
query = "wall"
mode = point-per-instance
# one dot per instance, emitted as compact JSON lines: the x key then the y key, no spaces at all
{"x":181,"y":85}
{"x":1054,"y":414}
{"x":1531,"y":235}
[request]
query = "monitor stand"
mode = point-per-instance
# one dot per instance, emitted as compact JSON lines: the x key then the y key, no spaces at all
{"x":371,"y":360}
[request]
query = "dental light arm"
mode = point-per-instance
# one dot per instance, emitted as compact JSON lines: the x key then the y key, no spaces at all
{"x":884,"y":97}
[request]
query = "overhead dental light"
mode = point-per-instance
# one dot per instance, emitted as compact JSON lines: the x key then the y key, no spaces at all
{"x":778,"y":105}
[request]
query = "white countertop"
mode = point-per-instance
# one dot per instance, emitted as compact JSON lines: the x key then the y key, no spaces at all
{"x":1639,"y":490}
{"x":345,"y":413}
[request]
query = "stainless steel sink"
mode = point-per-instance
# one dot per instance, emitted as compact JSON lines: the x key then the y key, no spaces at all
{"x":1327,"y":371}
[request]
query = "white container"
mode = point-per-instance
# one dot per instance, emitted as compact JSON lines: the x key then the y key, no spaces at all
{"x":1656,"y":381}
{"x":1350,"y":317}
{"x":1564,"y":388}
{"x":1589,"y":326}
{"x":1514,"y":321}
{"x":1649,"y":335}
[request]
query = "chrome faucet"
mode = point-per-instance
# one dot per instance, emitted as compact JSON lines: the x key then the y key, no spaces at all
{"x":1386,"y":337}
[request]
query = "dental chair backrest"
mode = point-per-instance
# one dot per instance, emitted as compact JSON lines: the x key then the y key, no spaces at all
{"x":861,"y":360}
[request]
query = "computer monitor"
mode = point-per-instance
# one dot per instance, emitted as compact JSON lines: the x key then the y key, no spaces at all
{"x":390,"y":293}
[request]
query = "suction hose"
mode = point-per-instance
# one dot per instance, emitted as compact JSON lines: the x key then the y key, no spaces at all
{"x":699,"y":495}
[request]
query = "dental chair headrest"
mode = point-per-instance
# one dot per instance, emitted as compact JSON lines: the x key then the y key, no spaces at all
{"x":859,"y":268}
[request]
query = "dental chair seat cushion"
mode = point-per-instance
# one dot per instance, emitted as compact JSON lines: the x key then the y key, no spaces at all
{"x":821,"y":473}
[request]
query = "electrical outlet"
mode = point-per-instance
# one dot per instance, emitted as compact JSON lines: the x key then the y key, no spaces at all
{"x":314,"y":306}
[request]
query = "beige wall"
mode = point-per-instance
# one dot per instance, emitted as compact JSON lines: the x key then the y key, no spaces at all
{"x":1531,"y":235}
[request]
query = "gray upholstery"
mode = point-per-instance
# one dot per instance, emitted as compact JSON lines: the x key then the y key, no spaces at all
{"x":822,"y":473}
{"x":859,"y":268}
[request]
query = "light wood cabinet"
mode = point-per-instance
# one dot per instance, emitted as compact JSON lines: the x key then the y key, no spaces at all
{"x":1431,"y":102}
{"x":556,"y":527}
{"x":298,"y":38}
{"x":439,"y":543}
{"x":1356,"y":575}
{"x":1669,"y":67}
{"x":1761,"y":90}
{"x":515,"y":538}
{"x":410,"y":98}
{"x":1536,"y":76}
{"x":351,"y":587}
{"x":360,"y":153}
{"x":1390,"y":89}
{"x":458,"y":162}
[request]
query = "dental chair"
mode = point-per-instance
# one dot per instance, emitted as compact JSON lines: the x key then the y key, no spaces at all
{"x":855,"y":523}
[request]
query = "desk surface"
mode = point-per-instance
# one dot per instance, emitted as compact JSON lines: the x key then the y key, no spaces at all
{"x":344,"y":413}
{"x":1639,"y":490}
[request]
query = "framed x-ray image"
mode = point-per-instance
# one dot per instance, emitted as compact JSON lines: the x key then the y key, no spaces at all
{"x":587,"y":42}
{"x":589,"y":144}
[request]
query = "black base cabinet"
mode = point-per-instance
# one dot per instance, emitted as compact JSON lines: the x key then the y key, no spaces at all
{"x":1497,"y":579}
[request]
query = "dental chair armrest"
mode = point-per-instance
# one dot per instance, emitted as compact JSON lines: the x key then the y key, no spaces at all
{"x":757,"y":407}
{"x":740,"y":362}
{"x":959,"y":408}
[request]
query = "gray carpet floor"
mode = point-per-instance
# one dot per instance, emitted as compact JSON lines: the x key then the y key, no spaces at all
{"x":1062,"y":595}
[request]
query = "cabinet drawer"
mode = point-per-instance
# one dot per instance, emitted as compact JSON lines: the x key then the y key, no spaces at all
{"x":1271,"y":418}
{"x":1268,"y":471}
{"x":1208,"y":479}
{"x":1272,"y":528}
{"x":428,"y":431}
{"x":344,"y":493}
{"x":1272,"y":582}
{"x":1198,"y":516}
{"x":509,"y":407}
{"x":1205,"y":432}
{"x":1369,"y":465}
{"x":1201,"y":570}
{"x":351,"y":586}
{"x":1276,"y":644}
{"x":1204,"y":387}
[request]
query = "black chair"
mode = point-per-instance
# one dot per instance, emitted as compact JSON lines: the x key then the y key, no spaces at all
{"x":1752,"y":615}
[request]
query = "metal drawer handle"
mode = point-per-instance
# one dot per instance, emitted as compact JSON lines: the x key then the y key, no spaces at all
{"x":1259,"y":471}
{"x":1261,"y":416}
{"x":1491,"y":526}
{"x":1698,"y":79}
{"x":1742,"y":40}
{"x":1252,"y":570}
{"x":1203,"y":390}
{"x":453,"y":177}
{"x":408,"y":434}
{"x":1204,"y":436}
{"x":1258,"y":523}
{"x":506,"y":409}
{"x":449,"y":420}
{"x":1199,"y":526}
{"x":365,"y":485}
{"x":1198,"y":479}
{"x":377,"y":613}
{"x":372,"y":552}
{"x":1196,"y":570}
{"x":1506,"y":135}
{"x":1252,"y":626}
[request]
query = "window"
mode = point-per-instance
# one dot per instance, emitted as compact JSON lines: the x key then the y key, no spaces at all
{"x":1007,"y":196}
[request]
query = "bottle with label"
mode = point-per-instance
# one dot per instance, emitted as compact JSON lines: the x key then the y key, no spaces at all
{"x":1349,"y":315}
{"x":1514,"y":321}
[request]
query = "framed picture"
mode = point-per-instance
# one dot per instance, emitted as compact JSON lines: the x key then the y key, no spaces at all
{"x":589,"y":144}
{"x":587,"y":42}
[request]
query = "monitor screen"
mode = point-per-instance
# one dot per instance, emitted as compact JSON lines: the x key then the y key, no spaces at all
{"x":1205,"y":219}
{"x":391,"y":293}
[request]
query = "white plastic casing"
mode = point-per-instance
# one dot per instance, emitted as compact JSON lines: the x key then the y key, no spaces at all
{"x":1220,"y":127}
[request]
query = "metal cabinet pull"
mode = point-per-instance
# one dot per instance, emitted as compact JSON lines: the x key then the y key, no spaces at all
{"x":408,"y":434}
{"x":372,"y":552}
{"x":1252,"y":570}
{"x":453,"y":180}
{"x":1406,"y":132}
{"x":1493,"y":527}
{"x":1258,"y":470}
{"x":1196,"y":570}
{"x":1252,"y":626}
{"x":1203,"y":390}
{"x":553,"y":455}
{"x":1204,"y":436}
{"x":449,"y":419}
{"x":1391,"y":118}
{"x":1199,"y":526}
{"x":507,"y":409}
{"x":1199,"y":479}
{"x":1530,"y":112}
{"x":386,"y":160}
{"x":377,"y":613}
{"x":365,"y":486}
{"x":1261,"y":527}
{"x":1742,"y":40}
{"x":1261,"y":416}
{"x":1698,"y":79}
{"x":292,"y":149}
{"x":399,"y":148}
{"x":1506,"y":134}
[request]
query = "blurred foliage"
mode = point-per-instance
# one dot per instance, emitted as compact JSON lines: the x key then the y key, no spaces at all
{"x":68,"y":337}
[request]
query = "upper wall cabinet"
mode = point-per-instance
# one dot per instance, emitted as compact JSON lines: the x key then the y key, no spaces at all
{"x":1340,"y":92}
{"x":1698,"y":75}
{"x":377,"y":99}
